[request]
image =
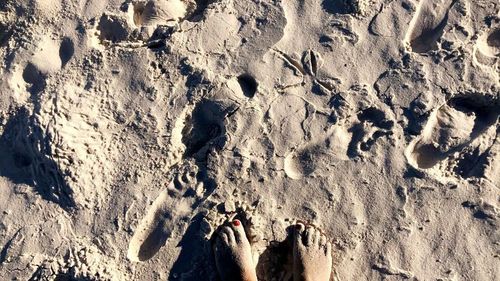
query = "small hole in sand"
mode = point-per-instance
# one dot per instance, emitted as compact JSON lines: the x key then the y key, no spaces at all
{"x":248,"y":85}
{"x":32,"y":75}
{"x":66,"y":50}
{"x":494,"y":38}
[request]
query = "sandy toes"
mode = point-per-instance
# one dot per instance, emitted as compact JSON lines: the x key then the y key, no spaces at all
{"x":233,"y":254}
{"x":312,"y":254}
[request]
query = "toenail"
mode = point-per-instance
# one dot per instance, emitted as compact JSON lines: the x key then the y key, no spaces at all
{"x":236,"y":223}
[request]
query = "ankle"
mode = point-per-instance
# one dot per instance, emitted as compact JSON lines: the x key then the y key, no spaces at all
{"x":250,"y":276}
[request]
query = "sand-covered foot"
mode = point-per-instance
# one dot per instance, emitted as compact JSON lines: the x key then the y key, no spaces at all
{"x":233,"y":254}
{"x":312,"y":254}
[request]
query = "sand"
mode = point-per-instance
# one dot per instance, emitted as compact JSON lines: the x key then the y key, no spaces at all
{"x":129,"y":130}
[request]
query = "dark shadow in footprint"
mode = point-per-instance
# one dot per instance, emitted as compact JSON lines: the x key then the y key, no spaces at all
{"x":424,"y":36}
{"x":195,"y":261}
{"x":154,"y":241}
{"x":25,"y":159}
{"x":66,"y":50}
{"x":248,"y":85}
{"x":412,"y":172}
{"x":486,"y":112}
{"x":112,"y":28}
{"x":155,"y":228}
{"x":338,"y":6}
{"x":204,"y":128}
{"x":493,"y":39}
{"x":6,"y":247}
{"x":275,"y":262}
{"x":357,"y":132}
{"x":416,"y":114}
{"x":33,"y":76}
{"x":5,"y":33}
{"x":307,"y":161}
{"x":163,"y":218}
{"x":427,"y":40}
{"x":376,"y":118}
{"x":427,"y":156}
{"x":482,"y":211}
{"x":472,"y":164}
{"x":199,"y":13}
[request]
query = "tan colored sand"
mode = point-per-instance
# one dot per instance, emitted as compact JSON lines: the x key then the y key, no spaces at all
{"x":129,"y":130}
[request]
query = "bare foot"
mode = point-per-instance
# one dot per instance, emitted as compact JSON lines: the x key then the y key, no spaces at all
{"x":312,"y":254}
{"x":233,"y":254}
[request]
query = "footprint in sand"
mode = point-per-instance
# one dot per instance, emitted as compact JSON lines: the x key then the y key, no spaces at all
{"x":167,"y":216}
{"x":25,"y":158}
{"x":113,"y":28}
{"x":428,"y":24}
{"x":303,"y":162}
{"x":156,"y":12}
{"x":388,"y":22}
{"x":487,"y":48}
{"x":311,"y":158}
{"x":451,"y":128}
{"x":200,"y":127}
{"x":205,"y":127}
{"x":49,"y":57}
{"x":153,"y":231}
{"x":142,"y":17}
{"x":373,"y":124}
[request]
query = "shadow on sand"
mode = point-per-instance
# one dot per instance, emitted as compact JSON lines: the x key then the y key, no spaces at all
{"x":25,"y":159}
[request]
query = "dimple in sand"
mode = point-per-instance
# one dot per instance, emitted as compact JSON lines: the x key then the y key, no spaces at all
{"x":312,"y":259}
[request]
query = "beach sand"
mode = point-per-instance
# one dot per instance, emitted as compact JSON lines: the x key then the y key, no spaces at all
{"x":130,"y":130}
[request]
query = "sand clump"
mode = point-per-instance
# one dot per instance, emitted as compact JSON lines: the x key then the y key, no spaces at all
{"x":131,"y":130}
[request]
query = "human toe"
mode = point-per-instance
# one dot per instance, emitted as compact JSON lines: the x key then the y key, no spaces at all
{"x":228,"y":231}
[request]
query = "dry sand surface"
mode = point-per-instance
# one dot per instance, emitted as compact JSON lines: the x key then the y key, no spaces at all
{"x":129,"y":130}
